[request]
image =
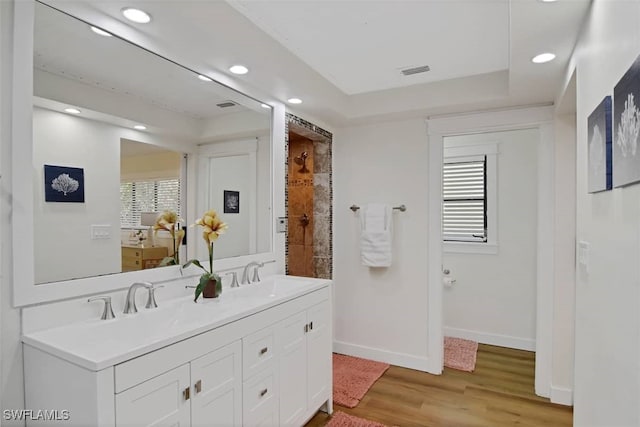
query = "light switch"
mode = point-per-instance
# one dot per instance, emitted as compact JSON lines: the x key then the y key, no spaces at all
{"x":281,"y":224}
{"x":583,"y":255}
{"x":100,"y":232}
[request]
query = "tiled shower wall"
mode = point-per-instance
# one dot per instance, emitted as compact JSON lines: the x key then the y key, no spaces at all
{"x":322,"y":194}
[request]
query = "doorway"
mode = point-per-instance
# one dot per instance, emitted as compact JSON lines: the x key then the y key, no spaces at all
{"x":308,"y":199}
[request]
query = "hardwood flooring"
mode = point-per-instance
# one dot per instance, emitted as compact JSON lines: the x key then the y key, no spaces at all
{"x":498,"y":393}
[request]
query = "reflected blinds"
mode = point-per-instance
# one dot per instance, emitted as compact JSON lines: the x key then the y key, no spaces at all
{"x":464,"y":209}
{"x":147,"y":196}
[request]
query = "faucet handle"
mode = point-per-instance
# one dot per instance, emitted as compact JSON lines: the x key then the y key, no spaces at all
{"x":107,"y":313}
{"x":256,"y":276}
{"x":234,"y":280}
{"x":151,"y":299}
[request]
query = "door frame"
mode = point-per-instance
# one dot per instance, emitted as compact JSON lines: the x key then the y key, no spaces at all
{"x":439,"y":127}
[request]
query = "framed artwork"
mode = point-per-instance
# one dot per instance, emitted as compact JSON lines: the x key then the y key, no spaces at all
{"x":63,"y":184}
{"x":599,"y":148}
{"x":626,"y":127}
{"x":231,"y":201}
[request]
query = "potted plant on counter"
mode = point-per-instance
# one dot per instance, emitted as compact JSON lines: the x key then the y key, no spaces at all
{"x":210,"y":285}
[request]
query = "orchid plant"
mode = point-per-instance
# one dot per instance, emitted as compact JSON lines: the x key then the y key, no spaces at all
{"x":213,"y":227}
{"x":169,"y":221}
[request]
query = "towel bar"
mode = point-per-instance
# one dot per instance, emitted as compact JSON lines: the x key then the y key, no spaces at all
{"x":400,"y":208}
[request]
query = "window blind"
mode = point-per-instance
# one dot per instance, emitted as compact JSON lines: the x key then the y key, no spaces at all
{"x":147,"y":196}
{"x":464,"y":210}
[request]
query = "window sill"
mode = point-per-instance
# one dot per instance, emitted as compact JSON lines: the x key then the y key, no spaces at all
{"x":469,"y":248}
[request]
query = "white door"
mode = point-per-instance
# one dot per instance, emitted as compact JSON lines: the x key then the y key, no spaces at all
{"x":217,"y":387}
{"x":161,"y":401}
{"x":292,"y":348}
{"x":319,"y":359}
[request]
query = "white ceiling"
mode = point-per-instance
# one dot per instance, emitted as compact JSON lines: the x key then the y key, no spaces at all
{"x":361,"y":46}
{"x":342,"y":57}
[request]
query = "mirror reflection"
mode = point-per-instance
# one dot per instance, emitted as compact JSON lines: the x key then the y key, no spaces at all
{"x":113,"y":126}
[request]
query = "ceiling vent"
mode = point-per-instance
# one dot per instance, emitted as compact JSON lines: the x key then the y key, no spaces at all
{"x":226,"y":104}
{"x":415,"y":70}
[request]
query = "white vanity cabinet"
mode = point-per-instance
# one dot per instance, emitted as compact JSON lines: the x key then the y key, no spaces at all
{"x":304,"y":366}
{"x":271,"y":367}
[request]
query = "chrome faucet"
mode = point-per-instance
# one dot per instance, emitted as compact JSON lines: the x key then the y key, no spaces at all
{"x":234,"y":279}
{"x":107,"y":313}
{"x":245,"y":273}
{"x":130,"y":303}
{"x":256,"y":277}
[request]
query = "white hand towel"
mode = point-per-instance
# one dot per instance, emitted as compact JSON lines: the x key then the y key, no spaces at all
{"x":376,"y":235}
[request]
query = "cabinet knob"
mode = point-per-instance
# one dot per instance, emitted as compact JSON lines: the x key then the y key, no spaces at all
{"x":311,"y":326}
{"x":186,"y":393}
{"x":263,"y":351}
{"x":198,"y":386}
{"x":263,"y":392}
{"x":306,"y":328}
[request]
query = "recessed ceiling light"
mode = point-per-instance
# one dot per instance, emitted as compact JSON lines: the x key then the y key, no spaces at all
{"x":204,"y":78}
{"x":239,"y":69}
{"x":100,"y":31}
{"x":72,"y":110}
{"x":136,"y":15}
{"x":265,"y":106}
{"x":140,"y":127}
{"x":294,"y":101}
{"x":543,"y":57}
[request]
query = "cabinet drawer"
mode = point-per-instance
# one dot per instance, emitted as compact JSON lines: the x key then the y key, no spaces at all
{"x":259,"y":399}
{"x":131,"y":253}
{"x":258,"y":352}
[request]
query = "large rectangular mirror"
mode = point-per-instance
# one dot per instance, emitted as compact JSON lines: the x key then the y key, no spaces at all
{"x":113,"y":126}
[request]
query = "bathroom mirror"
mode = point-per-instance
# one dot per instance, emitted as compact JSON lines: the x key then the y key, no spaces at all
{"x":117,"y":134}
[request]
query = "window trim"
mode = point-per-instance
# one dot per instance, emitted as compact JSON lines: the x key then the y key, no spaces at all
{"x":471,"y":152}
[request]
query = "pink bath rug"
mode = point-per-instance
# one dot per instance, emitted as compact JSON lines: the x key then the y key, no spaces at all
{"x":340,"y":419}
{"x":352,"y":378}
{"x":460,"y":354}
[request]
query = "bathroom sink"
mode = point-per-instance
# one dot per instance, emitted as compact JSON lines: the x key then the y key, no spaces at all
{"x":96,"y":344}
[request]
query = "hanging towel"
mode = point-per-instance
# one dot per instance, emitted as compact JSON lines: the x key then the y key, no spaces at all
{"x":375,"y":237}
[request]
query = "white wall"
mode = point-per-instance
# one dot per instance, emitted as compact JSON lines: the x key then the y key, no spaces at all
{"x":64,"y":248}
{"x":607,"y":347}
{"x":494,"y":298}
{"x":382,"y":313}
{"x":11,"y":378}
{"x":561,"y":387}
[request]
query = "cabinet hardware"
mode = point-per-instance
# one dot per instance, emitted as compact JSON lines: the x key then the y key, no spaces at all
{"x":198,"y":386}
{"x":264,"y":350}
{"x":306,"y":328}
{"x":186,"y":393}
{"x":311,"y":326}
{"x":263,"y":392}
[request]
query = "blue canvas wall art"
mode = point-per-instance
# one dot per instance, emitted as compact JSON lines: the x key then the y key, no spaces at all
{"x":600,"y":148}
{"x":63,"y":184}
{"x":626,"y":127}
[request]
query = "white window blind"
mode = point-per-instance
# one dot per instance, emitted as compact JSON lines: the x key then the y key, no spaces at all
{"x":464,"y":210}
{"x":147,"y":196}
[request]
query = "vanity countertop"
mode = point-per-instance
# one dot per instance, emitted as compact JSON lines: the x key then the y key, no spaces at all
{"x":98,"y":344}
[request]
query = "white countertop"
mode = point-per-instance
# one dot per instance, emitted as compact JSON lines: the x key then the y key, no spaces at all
{"x":98,"y":344}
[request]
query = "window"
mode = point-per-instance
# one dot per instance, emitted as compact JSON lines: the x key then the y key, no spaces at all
{"x":464,"y":208}
{"x":470,"y":197}
{"x":147,"y":196}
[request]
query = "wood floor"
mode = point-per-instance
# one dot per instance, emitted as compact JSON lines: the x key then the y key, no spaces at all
{"x":498,"y":393}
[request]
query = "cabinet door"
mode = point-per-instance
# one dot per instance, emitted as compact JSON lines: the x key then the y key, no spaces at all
{"x":161,"y":401}
{"x":319,"y":354}
{"x":292,"y":351}
{"x":217,"y":387}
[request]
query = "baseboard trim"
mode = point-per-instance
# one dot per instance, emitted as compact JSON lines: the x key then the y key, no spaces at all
{"x":561,"y":395}
{"x":397,"y":359}
{"x":492,"y":339}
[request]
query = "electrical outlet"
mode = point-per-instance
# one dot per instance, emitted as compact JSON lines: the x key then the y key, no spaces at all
{"x":100,"y":232}
{"x":583,"y":255}
{"x":281,"y":224}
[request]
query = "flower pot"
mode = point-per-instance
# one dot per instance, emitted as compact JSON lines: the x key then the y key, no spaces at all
{"x":212,"y":290}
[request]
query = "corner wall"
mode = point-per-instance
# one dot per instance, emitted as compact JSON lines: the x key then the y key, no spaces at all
{"x":607,"y":346}
{"x":381,"y":313}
